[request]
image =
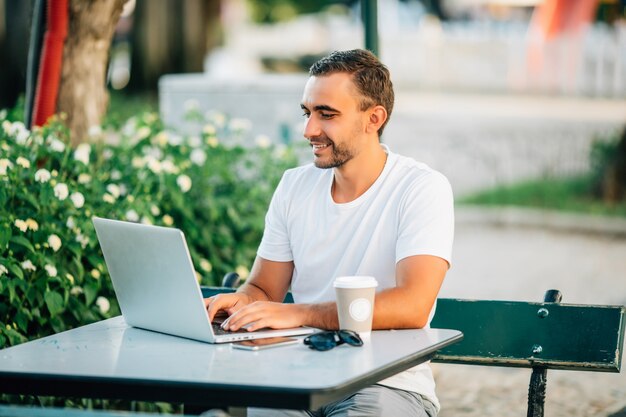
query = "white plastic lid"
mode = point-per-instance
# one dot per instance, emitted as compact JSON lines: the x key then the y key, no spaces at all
{"x":356,"y":281}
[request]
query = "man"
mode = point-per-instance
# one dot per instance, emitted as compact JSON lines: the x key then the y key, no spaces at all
{"x":359,"y":209}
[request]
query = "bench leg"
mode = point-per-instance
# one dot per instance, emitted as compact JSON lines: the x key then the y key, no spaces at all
{"x":538,"y":380}
{"x":537,"y":392}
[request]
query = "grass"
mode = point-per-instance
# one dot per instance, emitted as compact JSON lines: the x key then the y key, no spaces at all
{"x":570,"y":194}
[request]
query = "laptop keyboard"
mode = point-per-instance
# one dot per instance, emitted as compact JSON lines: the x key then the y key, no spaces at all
{"x":217,"y":330}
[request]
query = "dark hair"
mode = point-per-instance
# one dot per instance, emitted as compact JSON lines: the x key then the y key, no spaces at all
{"x":370,"y":77}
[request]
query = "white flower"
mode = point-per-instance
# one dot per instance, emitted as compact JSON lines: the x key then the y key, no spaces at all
{"x":55,"y":144}
{"x":28,"y":266}
{"x":195,"y":141}
{"x":138,"y":162}
{"x":116,"y":175}
{"x":175,"y":140}
{"x":3,"y":270}
{"x":262,"y":141}
{"x":55,"y":242}
{"x":132,"y":216}
{"x":160,"y":139}
{"x":206,"y":265}
{"x":212,"y":142}
{"x":21,"y":133}
{"x":78,"y":199}
{"x":51,"y":270}
{"x":23,"y":162}
{"x":155,"y":210}
{"x":32,"y":225}
{"x":82,"y":152}
{"x":107,"y":154}
{"x":42,"y":175}
{"x":242,"y":271}
{"x":76,"y":290}
{"x":84,"y":178}
{"x":169,"y":167}
{"x":21,"y":224}
{"x":198,"y":157}
{"x":4,"y":165}
{"x":95,"y":273}
{"x":94,"y":131}
{"x":184,"y":182}
{"x":168,"y":220}
{"x":108,"y":198}
{"x":240,"y":125}
{"x":219,"y":119}
{"x":7,"y":127}
{"x":70,"y":223}
{"x":103,"y":304}
{"x":154,"y":165}
{"x":82,"y":239}
{"x":114,"y":190}
{"x":70,"y":278}
{"x":142,"y":133}
{"x":209,"y":130}
{"x":60,"y":191}
{"x":146,"y":220}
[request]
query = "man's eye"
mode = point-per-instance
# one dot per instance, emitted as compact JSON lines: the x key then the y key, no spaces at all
{"x":326,"y":115}
{"x":307,"y":115}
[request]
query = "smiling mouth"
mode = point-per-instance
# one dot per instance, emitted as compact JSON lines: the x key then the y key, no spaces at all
{"x":319,"y":146}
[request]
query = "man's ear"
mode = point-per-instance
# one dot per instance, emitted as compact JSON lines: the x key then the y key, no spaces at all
{"x":377,"y":116}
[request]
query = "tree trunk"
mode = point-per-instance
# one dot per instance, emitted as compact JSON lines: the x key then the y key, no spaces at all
{"x":171,"y":36}
{"x":82,"y":91}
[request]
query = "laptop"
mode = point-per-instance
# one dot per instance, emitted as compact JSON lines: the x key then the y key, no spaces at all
{"x":156,"y":287}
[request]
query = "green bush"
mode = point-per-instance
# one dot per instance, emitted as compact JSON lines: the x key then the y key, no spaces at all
{"x":52,"y":273}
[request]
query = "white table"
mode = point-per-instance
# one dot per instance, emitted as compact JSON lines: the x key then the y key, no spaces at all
{"x":109,"y":359}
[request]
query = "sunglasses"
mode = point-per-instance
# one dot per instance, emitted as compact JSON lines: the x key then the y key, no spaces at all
{"x":329,"y":339}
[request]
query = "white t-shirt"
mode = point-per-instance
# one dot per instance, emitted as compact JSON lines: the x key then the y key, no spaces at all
{"x":407,"y":211}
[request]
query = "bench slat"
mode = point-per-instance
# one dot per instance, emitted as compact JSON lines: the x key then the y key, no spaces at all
{"x":505,"y":333}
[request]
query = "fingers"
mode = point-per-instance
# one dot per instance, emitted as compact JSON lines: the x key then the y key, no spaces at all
{"x":225,"y":302}
{"x":263,"y":314}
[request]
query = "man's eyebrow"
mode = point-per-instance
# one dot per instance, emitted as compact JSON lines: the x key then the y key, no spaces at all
{"x":321,"y":107}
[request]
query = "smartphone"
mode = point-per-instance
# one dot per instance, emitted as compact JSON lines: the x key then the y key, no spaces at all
{"x":269,"y":342}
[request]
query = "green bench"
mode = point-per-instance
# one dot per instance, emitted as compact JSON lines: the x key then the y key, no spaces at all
{"x":541,"y":336}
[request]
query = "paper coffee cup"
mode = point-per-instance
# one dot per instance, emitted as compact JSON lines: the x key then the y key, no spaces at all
{"x":355,"y":302}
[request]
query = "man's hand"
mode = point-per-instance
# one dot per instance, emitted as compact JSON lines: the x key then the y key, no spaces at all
{"x":266,"y":314}
{"x":230,"y":303}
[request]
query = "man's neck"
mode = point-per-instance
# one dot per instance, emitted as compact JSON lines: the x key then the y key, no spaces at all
{"x":355,"y":177}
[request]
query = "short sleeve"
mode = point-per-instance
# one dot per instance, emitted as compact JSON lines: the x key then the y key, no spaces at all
{"x":275,"y":244}
{"x":426,"y":223}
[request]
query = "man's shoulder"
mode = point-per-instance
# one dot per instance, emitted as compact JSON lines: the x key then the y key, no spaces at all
{"x":415,"y":172}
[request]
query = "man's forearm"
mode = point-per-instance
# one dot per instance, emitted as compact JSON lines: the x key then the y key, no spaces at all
{"x":321,"y":316}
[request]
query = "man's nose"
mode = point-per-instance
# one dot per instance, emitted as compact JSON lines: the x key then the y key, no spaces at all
{"x":312,"y":128}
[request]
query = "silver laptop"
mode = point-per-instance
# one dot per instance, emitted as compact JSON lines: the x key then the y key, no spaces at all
{"x":155,"y":283}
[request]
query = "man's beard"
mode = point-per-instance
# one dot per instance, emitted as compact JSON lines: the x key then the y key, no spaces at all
{"x":339,"y":156}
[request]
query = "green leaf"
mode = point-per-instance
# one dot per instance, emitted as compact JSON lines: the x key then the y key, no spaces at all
{"x":54,"y":302}
{"x":16,"y":270}
{"x":91,"y":292}
{"x":5,"y":235}
{"x":32,"y":200}
{"x":22,"y":241}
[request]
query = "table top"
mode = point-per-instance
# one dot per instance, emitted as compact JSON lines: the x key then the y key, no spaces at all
{"x":110,"y":359}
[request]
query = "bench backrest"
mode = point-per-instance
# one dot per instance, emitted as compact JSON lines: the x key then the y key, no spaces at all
{"x":550,"y":335}
{"x":524,"y":334}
